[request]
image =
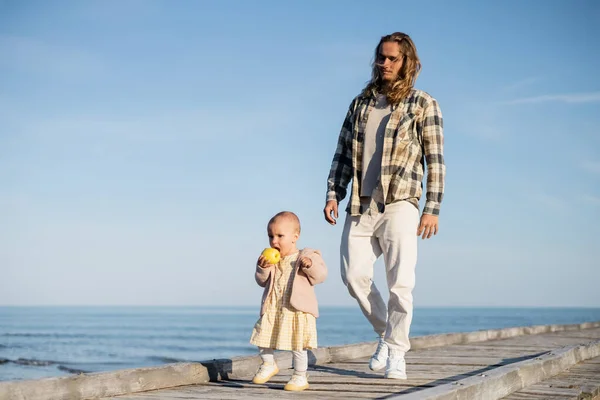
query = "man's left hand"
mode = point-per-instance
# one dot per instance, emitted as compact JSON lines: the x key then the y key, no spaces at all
{"x":428,"y":226}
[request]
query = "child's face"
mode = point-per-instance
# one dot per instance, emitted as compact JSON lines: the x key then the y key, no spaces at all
{"x":283,"y":235}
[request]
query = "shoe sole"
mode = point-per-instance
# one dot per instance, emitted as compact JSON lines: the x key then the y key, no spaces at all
{"x":396,"y":376}
{"x":261,"y":381}
{"x":377,"y":368}
{"x":291,"y":388}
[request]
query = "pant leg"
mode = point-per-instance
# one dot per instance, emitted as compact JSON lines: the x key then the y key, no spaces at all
{"x":300,"y":361}
{"x":397,"y":235}
{"x":359,"y":250}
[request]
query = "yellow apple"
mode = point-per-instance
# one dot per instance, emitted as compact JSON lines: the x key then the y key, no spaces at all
{"x":272,"y":255}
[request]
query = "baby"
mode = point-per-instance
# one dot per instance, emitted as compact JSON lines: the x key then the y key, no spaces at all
{"x":289,"y":304}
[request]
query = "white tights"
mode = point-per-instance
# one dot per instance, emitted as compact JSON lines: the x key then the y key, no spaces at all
{"x":300,"y":359}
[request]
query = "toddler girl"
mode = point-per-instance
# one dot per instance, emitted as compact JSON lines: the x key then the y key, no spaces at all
{"x":289,"y":305}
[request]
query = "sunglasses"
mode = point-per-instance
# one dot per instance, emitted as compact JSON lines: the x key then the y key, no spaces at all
{"x":381,"y":58}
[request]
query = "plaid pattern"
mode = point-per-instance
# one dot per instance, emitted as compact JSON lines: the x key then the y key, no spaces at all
{"x":413,"y":135}
{"x":282,"y":327}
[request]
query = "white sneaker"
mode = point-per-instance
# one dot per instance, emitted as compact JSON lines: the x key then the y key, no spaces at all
{"x":396,"y":367}
{"x":380,"y":357}
{"x":265,"y":372}
{"x":298,"y":383}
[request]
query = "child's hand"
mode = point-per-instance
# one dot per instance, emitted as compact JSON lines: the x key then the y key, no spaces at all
{"x":263,"y":263}
{"x":305,"y":262}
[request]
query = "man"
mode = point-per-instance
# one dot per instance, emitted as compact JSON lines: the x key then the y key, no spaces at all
{"x":390,"y":131}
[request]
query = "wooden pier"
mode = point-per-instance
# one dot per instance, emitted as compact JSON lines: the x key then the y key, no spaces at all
{"x":543,"y":362}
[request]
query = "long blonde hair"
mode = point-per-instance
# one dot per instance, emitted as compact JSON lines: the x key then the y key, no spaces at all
{"x":407,"y":76}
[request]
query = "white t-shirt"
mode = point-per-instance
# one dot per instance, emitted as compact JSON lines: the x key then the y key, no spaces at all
{"x":373,"y":145}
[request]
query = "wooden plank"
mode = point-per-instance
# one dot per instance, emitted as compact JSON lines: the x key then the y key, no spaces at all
{"x":342,"y":369}
{"x":495,"y":347}
{"x":529,"y":396}
{"x":466,"y":359}
{"x":589,"y":333}
{"x":569,"y":381}
{"x":254,"y":393}
{"x":540,"y":341}
{"x":379,"y":380}
{"x":576,"y":381}
{"x":496,"y":353}
{"x":547,"y":391}
{"x":343,"y":373}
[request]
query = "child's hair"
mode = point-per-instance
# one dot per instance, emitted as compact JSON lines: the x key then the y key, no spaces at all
{"x":286,"y":215}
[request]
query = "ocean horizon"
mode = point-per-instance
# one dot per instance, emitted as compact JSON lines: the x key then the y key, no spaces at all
{"x":47,"y":341}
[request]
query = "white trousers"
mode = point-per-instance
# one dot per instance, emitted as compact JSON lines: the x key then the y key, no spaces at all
{"x":365,"y":238}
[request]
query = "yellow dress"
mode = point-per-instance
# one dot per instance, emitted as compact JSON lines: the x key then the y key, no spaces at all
{"x":282,"y":327}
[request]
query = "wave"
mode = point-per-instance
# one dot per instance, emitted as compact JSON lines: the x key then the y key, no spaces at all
{"x":33,"y":362}
{"x":44,"y":363}
{"x":40,"y":335}
{"x":72,"y":370}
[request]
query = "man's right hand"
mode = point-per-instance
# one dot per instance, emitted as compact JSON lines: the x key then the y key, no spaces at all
{"x":331,"y":211}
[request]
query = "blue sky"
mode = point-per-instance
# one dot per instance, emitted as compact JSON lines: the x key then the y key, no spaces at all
{"x":145,"y":144}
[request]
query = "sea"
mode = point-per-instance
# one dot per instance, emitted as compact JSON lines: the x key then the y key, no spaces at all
{"x":41,"y":342}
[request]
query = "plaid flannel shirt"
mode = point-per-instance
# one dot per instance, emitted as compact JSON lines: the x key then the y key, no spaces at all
{"x":413,"y":135}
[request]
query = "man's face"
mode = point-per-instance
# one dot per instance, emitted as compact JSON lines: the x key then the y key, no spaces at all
{"x":390,"y":60}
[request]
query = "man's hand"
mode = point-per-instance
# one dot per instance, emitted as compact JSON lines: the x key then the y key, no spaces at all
{"x":428,"y":226}
{"x":331,"y":211}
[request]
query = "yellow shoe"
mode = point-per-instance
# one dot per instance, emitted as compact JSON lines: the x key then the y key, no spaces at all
{"x":265,"y":372}
{"x":298,"y":383}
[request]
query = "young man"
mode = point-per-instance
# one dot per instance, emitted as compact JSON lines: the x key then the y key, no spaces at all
{"x":390,"y":131}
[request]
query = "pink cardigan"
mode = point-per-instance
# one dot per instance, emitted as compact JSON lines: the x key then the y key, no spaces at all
{"x":303,"y":293}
